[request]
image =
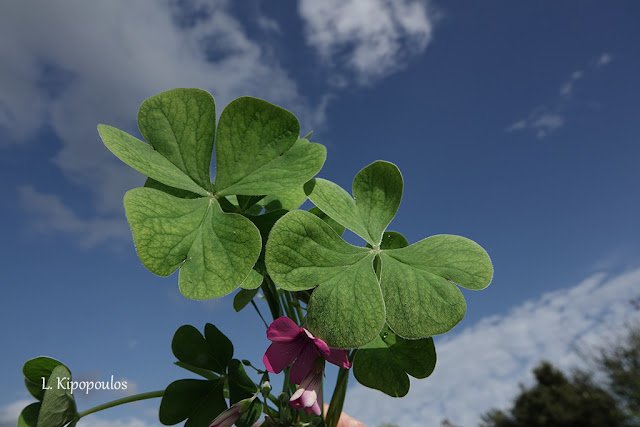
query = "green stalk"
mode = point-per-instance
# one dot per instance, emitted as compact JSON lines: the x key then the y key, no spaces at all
{"x":288,"y":306}
{"x":271,"y":295}
{"x":337,"y":399}
{"x":128,"y":399}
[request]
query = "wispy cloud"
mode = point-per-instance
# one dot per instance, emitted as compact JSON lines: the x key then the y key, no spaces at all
{"x":480,"y":367}
{"x":68,"y":74}
{"x":48,"y":214}
{"x":604,"y":59}
{"x":10,"y":412}
{"x":368,"y":39}
{"x":550,"y":117}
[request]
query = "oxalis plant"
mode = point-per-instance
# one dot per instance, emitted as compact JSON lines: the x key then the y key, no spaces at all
{"x":371,"y":307}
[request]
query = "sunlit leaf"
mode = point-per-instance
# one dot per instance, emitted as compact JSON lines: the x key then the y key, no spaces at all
{"x":386,"y":363}
{"x":214,"y":250}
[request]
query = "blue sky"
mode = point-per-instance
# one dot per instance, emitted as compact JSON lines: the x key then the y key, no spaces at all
{"x":514,"y":123}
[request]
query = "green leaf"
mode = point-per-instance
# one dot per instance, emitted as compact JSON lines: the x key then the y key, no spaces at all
{"x":339,"y":229}
{"x":219,"y":343}
{"x":393,"y":240}
{"x":426,"y":272}
{"x":243,"y":297}
{"x":386,"y":363}
{"x":212,"y":351}
{"x":252,"y":281}
{"x":58,"y":407}
{"x":29,"y":415}
{"x":143,"y":158}
{"x":36,"y":369}
{"x":377,"y":191}
{"x":251,"y":415}
{"x":240,"y":385}
{"x":290,"y":199}
{"x":180,"y":125}
{"x":258,"y":151}
{"x":214,"y":250}
{"x":412,"y":287}
{"x":205,"y":373}
{"x":197,"y":401}
{"x":346,"y":309}
{"x":176,"y":192}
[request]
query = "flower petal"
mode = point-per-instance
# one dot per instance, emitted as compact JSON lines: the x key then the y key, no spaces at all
{"x":322,"y":347}
{"x":227,"y":418}
{"x":283,"y":329}
{"x":315,"y":409}
{"x":339,"y":358}
{"x":308,"y":398}
{"x":304,"y":363}
{"x":279,"y":355}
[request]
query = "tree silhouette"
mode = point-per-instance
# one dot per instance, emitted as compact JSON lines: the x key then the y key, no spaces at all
{"x":558,"y":400}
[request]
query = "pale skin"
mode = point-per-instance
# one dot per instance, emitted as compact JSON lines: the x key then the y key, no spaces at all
{"x":346,"y":420}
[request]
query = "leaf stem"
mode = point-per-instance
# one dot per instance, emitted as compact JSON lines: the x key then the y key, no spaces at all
{"x":128,"y":399}
{"x":286,"y":302}
{"x":271,"y":295}
{"x":253,"y":303}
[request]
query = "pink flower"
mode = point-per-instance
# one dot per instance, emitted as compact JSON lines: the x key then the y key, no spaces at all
{"x":293,"y":345}
{"x":308,"y":392}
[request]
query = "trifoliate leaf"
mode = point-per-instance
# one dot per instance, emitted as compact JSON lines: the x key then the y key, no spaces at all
{"x":214,"y":250}
{"x":377,"y":191}
{"x":346,"y":309}
{"x":180,"y":124}
{"x":386,"y":363}
{"x":417,"y":282}
{"x":258,"y":151}
{"x":243,"y":297}
{"x":261,"y":163}
{"x":197,"y":401}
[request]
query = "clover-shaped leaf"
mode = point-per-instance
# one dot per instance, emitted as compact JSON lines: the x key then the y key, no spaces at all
{"x":416,"y":293}
{"x":178,"y":219}
{"x":197,"y":401}
{"x":213,"y":351}
{"x":56,"y":406}
{"x":386,"y":362}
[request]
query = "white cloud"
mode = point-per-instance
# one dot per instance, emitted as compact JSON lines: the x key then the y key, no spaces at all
{"x":125,"y":422}
{"x":480,"y":367}
{"x":70,"y":64}
{"x":48,"y":214}
{"x":10,"y":412}
{"x":371,"y":38}
{"x":550,"y":117}
{"x":541,"y":122}
{"x":604,"y":59}
{"x":566,"y":89}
